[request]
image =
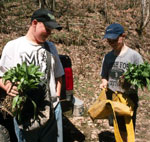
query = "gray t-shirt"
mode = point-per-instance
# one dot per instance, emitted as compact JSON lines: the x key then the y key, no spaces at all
{"x":114,"y":66}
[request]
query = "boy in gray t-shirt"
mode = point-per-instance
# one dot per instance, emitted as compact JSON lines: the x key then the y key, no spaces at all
{"x":115,"y":63}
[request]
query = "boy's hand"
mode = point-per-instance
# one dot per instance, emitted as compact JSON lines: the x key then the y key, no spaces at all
{"x":104,"y":84}
{"x":11,"y":89}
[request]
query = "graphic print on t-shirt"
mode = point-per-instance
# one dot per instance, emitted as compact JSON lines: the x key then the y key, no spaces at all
{"x":36,"y":57}
{"x":116,"y":71}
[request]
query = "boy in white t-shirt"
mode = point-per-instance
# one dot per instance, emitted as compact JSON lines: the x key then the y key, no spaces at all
{"x":31,"y":49}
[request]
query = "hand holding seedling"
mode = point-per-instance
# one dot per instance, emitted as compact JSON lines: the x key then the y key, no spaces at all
{"x":11,"y":89}
{"x":18,"y":81}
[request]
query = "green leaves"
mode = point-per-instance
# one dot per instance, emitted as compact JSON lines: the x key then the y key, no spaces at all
{"x":14,"y":103}
{"x":138,"y":75}
{"x":28,"y":77}
{"x":25,"y":78}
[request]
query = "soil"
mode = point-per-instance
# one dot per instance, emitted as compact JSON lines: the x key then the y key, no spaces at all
{"x":84,"y":23}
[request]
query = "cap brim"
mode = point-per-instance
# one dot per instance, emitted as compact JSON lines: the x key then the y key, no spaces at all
{"x":111,"y":36}
{"x":53,"y":25}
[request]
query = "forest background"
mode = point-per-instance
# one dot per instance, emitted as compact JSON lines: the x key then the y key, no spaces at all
{"x":84,"y":23}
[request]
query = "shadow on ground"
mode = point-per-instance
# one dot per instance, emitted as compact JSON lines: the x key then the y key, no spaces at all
{"x":106,"y":136}
{"x":71,"y":133}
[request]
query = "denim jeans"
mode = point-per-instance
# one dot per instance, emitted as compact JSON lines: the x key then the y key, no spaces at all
{"x":58,"y":115}
{"x":37,"y":134}
{"x":18,"y":132}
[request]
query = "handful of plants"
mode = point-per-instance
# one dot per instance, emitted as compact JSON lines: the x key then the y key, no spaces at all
{"x":137,"y":75}
{"x":25,"y":78}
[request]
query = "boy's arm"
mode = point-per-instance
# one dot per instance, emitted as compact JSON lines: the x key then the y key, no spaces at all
{"x":104,"y":73}
{"x":58,"y":85}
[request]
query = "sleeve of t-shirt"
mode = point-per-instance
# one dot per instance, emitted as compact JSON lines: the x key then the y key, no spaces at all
{"x":6,"y":61}
{"x":104,"y":69}
{"x":138,"y":59}
{"x":58,"y":71}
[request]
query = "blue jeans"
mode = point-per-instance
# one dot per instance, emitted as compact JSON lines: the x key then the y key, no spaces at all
{"x":18,"y":132}
{"x":50,"y":132}
{"x":58,"y":115}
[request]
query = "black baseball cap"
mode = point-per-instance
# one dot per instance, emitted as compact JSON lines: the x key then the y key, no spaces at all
{"x":47,"y":17}
{"x":113,"y":31}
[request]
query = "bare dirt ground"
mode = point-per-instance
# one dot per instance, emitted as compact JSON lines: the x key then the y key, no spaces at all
{"x":84,"y":23}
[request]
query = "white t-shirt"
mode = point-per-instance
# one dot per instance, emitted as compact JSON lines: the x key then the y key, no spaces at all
{"x":22,"y":50}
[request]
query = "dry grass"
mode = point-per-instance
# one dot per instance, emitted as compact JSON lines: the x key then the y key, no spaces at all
{"x":84,"y":23}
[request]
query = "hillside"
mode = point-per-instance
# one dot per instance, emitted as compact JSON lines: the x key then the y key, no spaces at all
{"x":84,"y":23}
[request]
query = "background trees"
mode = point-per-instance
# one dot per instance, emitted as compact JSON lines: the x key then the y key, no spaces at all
{"x":84,"y":23}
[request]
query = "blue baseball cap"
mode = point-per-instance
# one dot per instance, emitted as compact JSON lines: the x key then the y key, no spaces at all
{"x":113,"y":31}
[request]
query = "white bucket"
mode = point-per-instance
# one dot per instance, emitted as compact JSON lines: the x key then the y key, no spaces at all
{"x":78,"y":108}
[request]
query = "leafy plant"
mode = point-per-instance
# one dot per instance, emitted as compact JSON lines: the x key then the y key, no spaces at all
{"x":25,"y":78}
{"x":138,"y":75}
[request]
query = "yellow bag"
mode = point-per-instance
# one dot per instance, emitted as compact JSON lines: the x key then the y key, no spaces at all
{"x":119,"y":105}
{"x":101,"y":109}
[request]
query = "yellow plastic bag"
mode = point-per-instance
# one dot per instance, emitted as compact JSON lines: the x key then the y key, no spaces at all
{"x":119,"y":104}
{"x":101,"y":109}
